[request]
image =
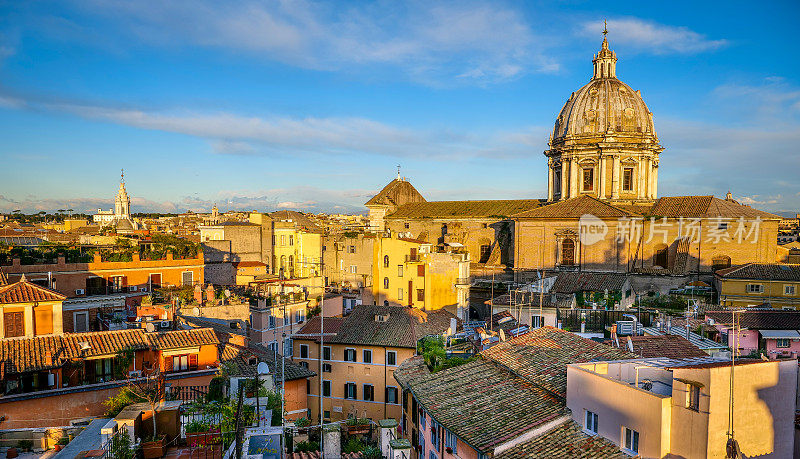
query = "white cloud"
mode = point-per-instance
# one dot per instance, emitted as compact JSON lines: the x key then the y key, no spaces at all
{"x":428,"y":41}
{"x":653,"y":37}
{"x":230,"y":133}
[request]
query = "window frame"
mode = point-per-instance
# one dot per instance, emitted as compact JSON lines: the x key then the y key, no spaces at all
{"x":693,"y":397}
{"x":347,"y":389}
{"x":326,"y":388}
{"x":392,"y":390}
{"x":780,"y":341}
{"x":749,"y":288}
{"x":347,"y":352}
{"x":394,"y":358}
{"x":788,"y":287}
{"x":327,"y":353}
{"x":590,"y":420}
{"x":584,"y":171}
{"x":368,"y":389}
{"x":630,"y":440}
{"x":364,"y":354}
{"x":304,"y":351}
{"x":626,"y":170}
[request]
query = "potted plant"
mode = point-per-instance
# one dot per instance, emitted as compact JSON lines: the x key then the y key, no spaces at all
{"x":200,"y":433}
{"x":303,"y":424}
{"x":357,"y":426}
{"x":155,"y":448}
{"x":63,"y":441}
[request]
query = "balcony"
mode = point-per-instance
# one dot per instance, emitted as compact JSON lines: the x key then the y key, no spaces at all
{"x":463,"y":281}
{"x":412,"y":258}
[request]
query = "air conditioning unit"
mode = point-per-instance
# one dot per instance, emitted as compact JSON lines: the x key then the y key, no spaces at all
{"x":80,"y":291}
{"x":135,"y":374}
{"x":132,"y":288}
{"x":143,"y":289}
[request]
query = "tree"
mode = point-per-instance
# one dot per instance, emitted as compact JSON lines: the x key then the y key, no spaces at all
{"x":151,"y":390}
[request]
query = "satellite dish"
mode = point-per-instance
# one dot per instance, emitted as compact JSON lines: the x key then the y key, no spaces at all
{"x":502,"y":335}
{"x":227,"y":293}
{"x":262,"y":368}
{"x":150,"y":327}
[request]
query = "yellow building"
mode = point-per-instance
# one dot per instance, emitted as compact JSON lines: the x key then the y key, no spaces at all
{"x":360,"y":355}
{"x":759,"y":284}
{"x":297,"y":245}
{"x":408,"y":272}
{"x":28,"y":309}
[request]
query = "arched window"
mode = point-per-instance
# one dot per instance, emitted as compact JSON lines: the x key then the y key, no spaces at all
{"x":720,"y":262}
{"x":386,"y":282}
{"x":568,"y":252}
{"x":386,"y":261}
{"x":661,"y":258}
{"x":283,"y":261}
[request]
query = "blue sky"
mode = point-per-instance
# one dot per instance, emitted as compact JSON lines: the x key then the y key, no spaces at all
{"x":310,"y":106}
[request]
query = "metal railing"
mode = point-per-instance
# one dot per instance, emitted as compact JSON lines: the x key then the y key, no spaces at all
{"x":119,"y":446}
{"x":187,"y":393}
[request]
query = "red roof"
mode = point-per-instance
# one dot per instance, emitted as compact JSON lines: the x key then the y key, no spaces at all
{"x":26,"y":292}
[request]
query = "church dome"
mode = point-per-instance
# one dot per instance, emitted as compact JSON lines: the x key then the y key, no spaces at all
{"x":604,"y":107}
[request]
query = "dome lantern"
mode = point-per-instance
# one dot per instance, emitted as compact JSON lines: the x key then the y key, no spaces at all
{"x":605,"y":61}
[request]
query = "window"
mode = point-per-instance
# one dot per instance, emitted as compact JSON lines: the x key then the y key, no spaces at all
{"x":420,"y":270}
{"x":43,"y":320}
{"x":661,"y":257}
{"x":391,"y":358}
{"x":435,"y":434}
{"x":349,"y":355}
{"x":103,"y":370}
{"x":588,"y":179}
{"x":369,"y":392}
{"x":327,"y":414}
{"x":273,"y":346}
{"x":568,"y":252}
{"x":350,"y":391}
{"x":631,"y":441}
{"x":422,"y":443}
{"x":287,"y":319}
{"x":308,"y":385}
{"x":406,"y":225}
{"x":755,"y":288}
{"x":391,"y":394}
{"x":304,"y":365}
{"x":782,"y":342}
{"x":119,"y":283}
{"x":399,"y":270}
{"x":300,"y":316}
{"x":351,"y":249}
{"x":386,"y":261}
{"x":326,"y":353}
{"x":722,"y":226}
{"x":271,"y":322}
{"x":187,"y":278}
{"x":590,"y":424}
{"x":291,"y":239}
{"x":367,"y":356}
{"x":627,"y":179}
{"x":326,"y":367}
{"x":422,"y":419}
{"x":304,"y":351}
{"x":80,"y":323}
{"x":386,"y":282}
{"x":180,"y":362}
{"x":450,"y":441}
{"x":693,"y":397}
{"x":788,"y":289}
{"x":287,"y":347}
{"x":486,"y":252}
{"x":326,"y":389}
{"x":155,"y":281}
{"x":353,"y":269}
{"x":420,"y":294}
{"x":400,"y":294}
{"x":283,"y":239}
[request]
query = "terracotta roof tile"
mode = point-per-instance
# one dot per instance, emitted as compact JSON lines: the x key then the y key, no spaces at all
{"x":397,"y":192}
{"x":704,"y":207}
{"x":565,"y":441}
{"x":575,"y":208}
{"x":759,"y":319}
{"x":403,"y":328}
{"x":498,"y":209}
{"x":762,"y":271}
{"x":542,"y":355}
{"x":27,"y":292}
{"x":241,"y":357}
{"x":569,"y":282}
{"x":670,"y":346}
{"x":42,"y":352}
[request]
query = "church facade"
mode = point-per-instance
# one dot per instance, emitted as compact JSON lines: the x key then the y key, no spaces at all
{"x":602,"y":211}
{"x":120,"y":218}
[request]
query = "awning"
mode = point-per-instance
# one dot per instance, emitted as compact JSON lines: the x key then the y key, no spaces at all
{"x":780,"y":334}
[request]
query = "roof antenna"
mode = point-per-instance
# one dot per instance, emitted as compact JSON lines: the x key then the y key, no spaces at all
{"x":398,"y":172}
{"x":122,"y":175}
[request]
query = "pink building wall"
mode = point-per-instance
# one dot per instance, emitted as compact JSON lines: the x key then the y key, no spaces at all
{"x":463,"y":451}
{"x":794,"y":346}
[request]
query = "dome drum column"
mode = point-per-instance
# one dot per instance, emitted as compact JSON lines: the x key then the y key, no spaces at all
{"x":573,"y":177}
{"x":550,"y":173}
{"x":601,"y":182}
{"x":615,"y":177}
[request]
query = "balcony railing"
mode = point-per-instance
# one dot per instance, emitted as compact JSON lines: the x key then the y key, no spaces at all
{"x":412,"y":258}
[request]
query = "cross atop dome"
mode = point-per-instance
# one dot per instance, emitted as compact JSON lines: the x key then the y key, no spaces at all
{"x":605,"y":61}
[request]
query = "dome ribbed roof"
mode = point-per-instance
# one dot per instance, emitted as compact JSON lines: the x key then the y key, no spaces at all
{"x":603,"y":106}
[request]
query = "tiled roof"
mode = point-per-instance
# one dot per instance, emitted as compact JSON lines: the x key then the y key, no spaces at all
{"x":396,"y":193}
{"x":221,"y":326}
{"x":759,"y":319}
{"x":312,"y":326}
{"x":27,"y":292}
{"x":542,"y":355}
{"x":670,"y":346}
{"x":480,"y":402}
{"x":241,"y":357}
{"x":403,"y":328}
{"x":177,"y":339}
{"x":248,"y":264}
{"x":43,"y":352}
{"x":575,"y":208}
{"x":565,"y":441}
{"x":299,"y":218}
{"x":465,"y":209}
{"x":762,"y":271}
{"x":704,"y":207}
{"x":569,"y":282}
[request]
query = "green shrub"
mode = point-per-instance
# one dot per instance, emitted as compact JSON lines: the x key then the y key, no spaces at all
{"x":306,"y":447}
{"x":371,"y":452}
{"x":63,"y":440}
{"x":25,"y":445}
{"x":197,"y":426}
{"x":353,"y":445}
